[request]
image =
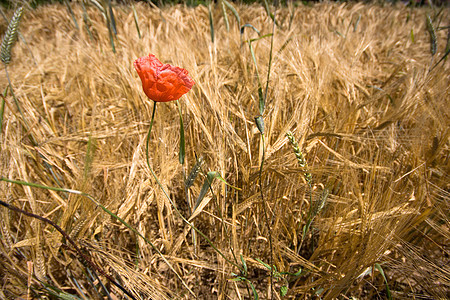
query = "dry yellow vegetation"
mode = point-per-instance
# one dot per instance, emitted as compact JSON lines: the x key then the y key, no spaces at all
{"x":354,"y":83}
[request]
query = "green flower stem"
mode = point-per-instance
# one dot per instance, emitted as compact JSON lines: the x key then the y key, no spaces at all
{"x":171,"y":201}
{"x":182,"y":153}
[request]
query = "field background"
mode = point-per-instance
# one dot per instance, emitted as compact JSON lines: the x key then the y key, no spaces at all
{"x":354,"y":83}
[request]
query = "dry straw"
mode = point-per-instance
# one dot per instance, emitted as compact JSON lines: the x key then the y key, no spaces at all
{"x":347,"y":79}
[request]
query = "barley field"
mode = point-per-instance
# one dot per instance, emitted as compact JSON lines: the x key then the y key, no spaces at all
{"x":341,"y":193}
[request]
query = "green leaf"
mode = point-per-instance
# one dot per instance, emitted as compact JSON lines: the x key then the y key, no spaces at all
{"x":136,"y":21}
{"x":217,"y":175}
{"x":211,"y":24}
{"x":71,"y":13}
{"x":239,"y":278}
{"x":2,"y":110}
{"x":249,"y":26}
{"x":244,"y":264}
{"x":283,"y":290}
{"x":255,"y":294}
{"x":225,"y":17}
{"x":233,"y":10}
{"x":297,"y":273}
{"x":357,"y":23}
{"x":87,"y":22}
{"x":112,"y":18}
{"x":388,"y":291}
{"x":265,"y":265}
{"x":59,"y":294}
{"x":271,"y":15}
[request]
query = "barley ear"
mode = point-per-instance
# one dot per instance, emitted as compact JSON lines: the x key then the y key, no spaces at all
{"x":300,"y":157}
{"x":194,"y":172}
{"x":10,"y":36}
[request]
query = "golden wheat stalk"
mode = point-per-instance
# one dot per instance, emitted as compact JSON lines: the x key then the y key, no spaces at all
{"x":10,"y":36}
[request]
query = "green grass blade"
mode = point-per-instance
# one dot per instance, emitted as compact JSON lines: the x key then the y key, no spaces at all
{"x":447,"y":47}
{"x":136,"y":21}
{"x":71,"y":14}
{"x":2,"y":110}
{"x":202,"y":194}
{"x":112,"y":18}
{"x":260,"y":38}
{"x":388,"y":291}
{"x":216,"y":175}
{"x":87,"y":21}
{"x":111,"y":38}
{"x":264,"y":264}
{"x":59,"y":294}
{"x":234,"y":11}
{"x":206,"y":185}
{"x":244,"y":265}
{"x":255,"y":293}
{"x":271,"y":15}
{"x":381,"y":90}
{"x":225,"y":17}
{"x":357,"y":23}
{"x":249,"y":26}
{"x":260,"y":93}
{"x":98,"y":5}
{"x":211,"y":23}
{"x":442,"y":58}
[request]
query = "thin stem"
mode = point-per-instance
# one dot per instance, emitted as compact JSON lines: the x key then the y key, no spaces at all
{"x":270,"y":55}
{"x":148,"y":137}
{"x":171,"y":201}
{"x":266,"y":217}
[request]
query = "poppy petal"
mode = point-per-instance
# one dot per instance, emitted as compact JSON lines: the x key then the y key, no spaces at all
{"x":162,"y":82}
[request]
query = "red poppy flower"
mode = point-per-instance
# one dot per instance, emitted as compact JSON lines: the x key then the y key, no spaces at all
{"x":162,"y":82}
